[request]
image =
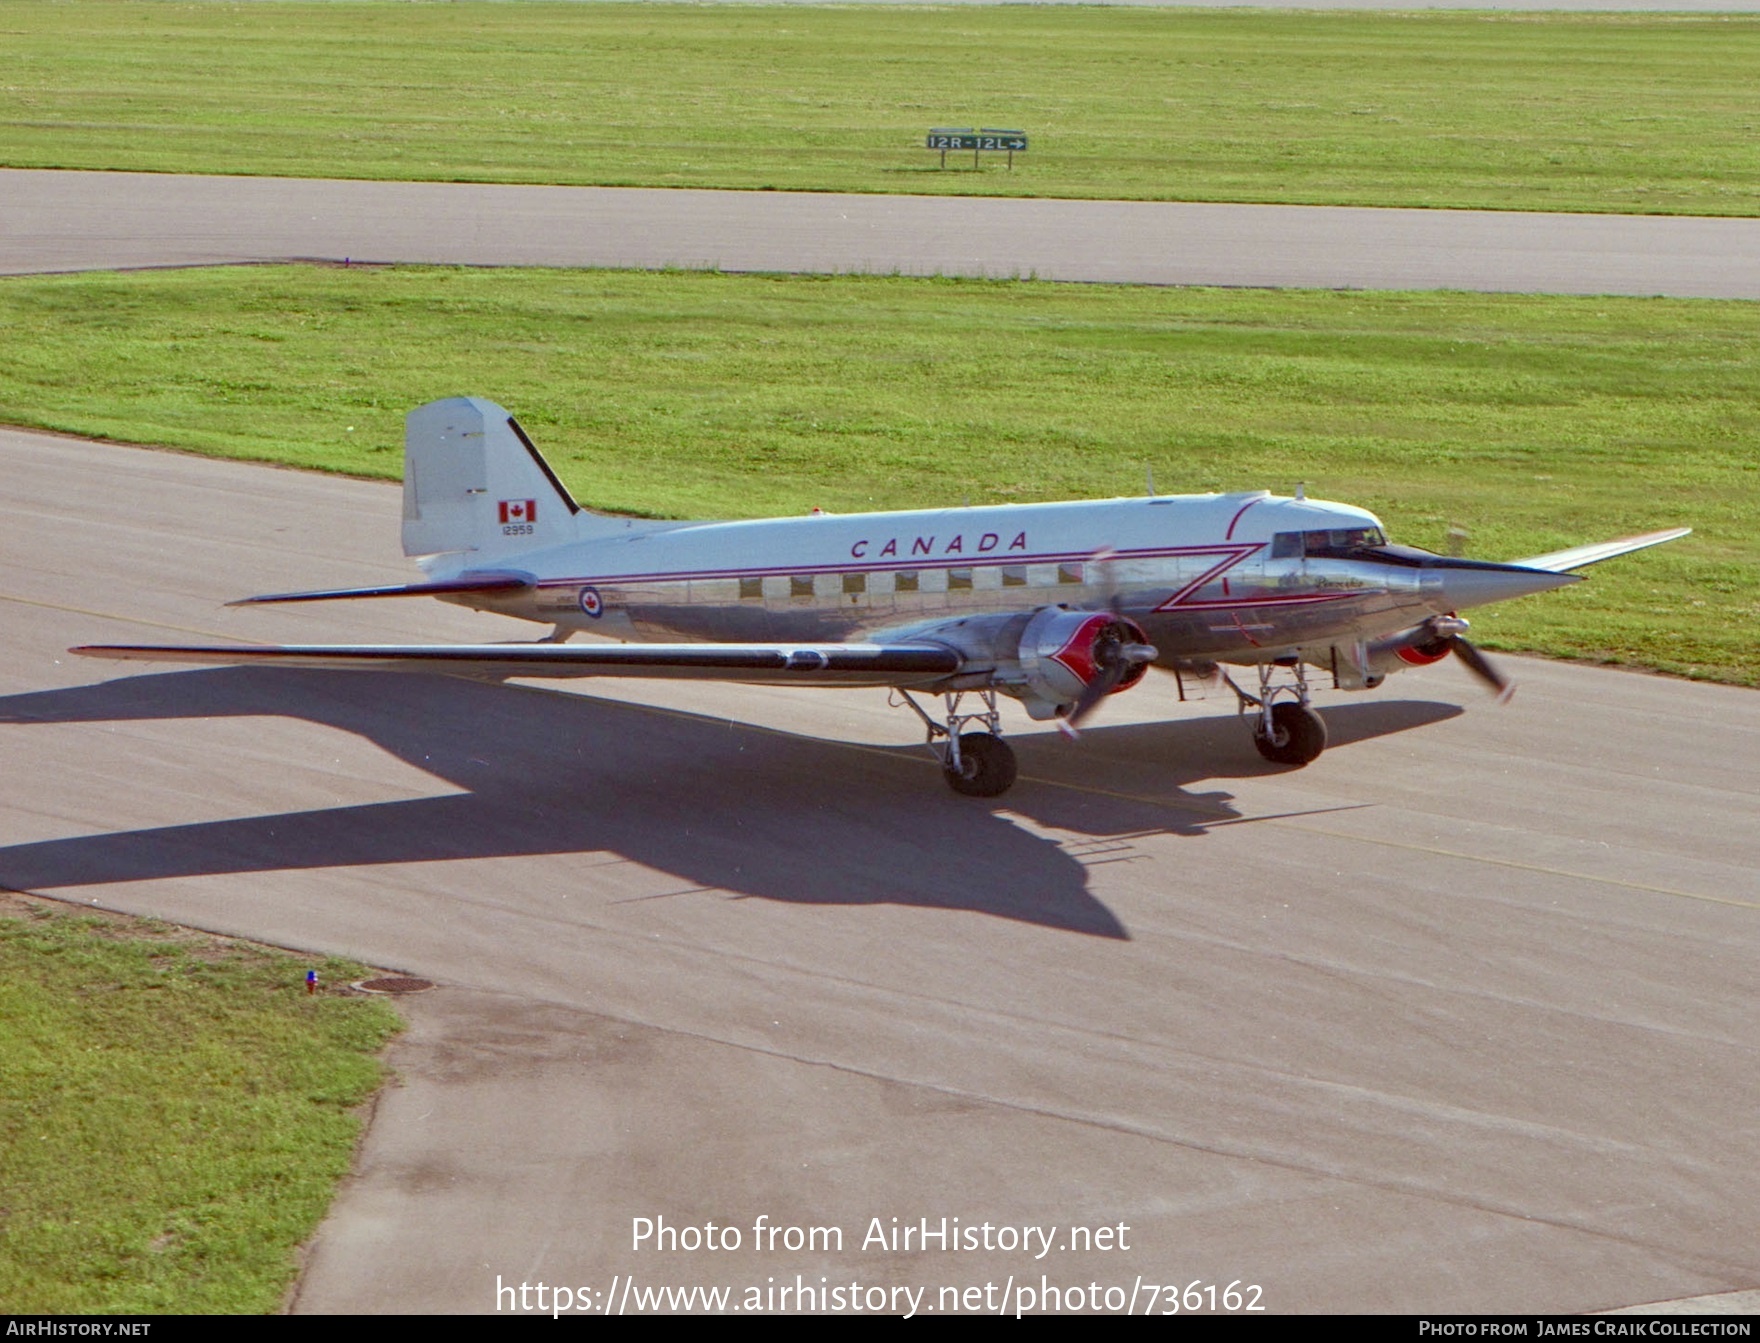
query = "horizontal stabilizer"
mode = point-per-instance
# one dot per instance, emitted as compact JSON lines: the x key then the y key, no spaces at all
{"x":499,"y":582}
{"x":1561,"y":561}
{"x":811,"y":664}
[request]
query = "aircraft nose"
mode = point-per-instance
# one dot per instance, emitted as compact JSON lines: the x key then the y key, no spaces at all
{"x":1454,"y":585}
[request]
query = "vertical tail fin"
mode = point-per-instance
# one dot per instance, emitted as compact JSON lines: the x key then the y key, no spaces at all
{"x":472,"y":481}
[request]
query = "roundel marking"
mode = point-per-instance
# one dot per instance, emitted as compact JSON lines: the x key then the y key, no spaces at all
{"x":592,"y":604}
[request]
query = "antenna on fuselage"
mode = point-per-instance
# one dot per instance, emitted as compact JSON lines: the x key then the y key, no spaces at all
{"x":1301,"y":489}
{"x":1149,"y":473}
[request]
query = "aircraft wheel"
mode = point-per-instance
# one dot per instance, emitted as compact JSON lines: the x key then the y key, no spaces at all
{"x":1298,"y":735}
{"x":987,"y":766}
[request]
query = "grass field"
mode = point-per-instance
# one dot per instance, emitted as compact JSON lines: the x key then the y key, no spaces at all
{"x":1535,"y":423}
{"x":1601,"y":112}
{"x":175,"y":1113}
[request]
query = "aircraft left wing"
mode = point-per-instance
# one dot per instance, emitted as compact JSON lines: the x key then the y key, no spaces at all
{"x":778,"y":664}
{"x":1562,"y":561}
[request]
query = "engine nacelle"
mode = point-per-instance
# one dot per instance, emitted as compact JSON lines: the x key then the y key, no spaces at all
{"x":1062,"y":651}
{"x":1046,"y":658}
{"x":1366,"y":665}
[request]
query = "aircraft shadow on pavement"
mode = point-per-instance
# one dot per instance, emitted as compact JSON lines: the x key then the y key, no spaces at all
{"x":747,"y":810}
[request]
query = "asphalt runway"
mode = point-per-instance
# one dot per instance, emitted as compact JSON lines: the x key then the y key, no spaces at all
{"x":56,"y":221}
{"x":1459,"y":1018}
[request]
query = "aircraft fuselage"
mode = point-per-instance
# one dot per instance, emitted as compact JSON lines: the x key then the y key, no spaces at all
{"x":1197,"y":572}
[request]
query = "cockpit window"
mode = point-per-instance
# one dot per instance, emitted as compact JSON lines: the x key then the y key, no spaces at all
{"x":1340,"y":543}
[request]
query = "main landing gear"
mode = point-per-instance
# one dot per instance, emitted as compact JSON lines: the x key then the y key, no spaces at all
{"x":1286,"y":729}
{"x":978,"y":764}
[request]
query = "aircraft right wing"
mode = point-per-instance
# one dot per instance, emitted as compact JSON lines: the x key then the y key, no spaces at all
{"x":1562,"y":561}
{"x":764,"y":664}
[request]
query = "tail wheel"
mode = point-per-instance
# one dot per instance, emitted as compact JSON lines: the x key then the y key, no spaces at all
{"x":1298,"y":734}
{"x":986,"y":766}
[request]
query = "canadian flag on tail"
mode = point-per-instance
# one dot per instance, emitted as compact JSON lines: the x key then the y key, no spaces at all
{"x":519,"y":510}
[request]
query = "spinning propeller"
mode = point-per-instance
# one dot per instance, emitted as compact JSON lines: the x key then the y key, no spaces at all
{"x":1118,"y":651}
{"x":1448,"y":631}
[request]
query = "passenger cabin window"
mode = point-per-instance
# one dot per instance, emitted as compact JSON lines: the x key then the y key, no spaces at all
{"x":751,"y":589}
{"x":905,"y":582}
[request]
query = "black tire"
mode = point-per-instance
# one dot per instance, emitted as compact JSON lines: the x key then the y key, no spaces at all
{"x":987,"y":766}
{"x":1299,"y":735}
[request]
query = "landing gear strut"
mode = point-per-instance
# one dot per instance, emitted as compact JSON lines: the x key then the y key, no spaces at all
{"x":1286,"y":730}
{"x":978,"y":764}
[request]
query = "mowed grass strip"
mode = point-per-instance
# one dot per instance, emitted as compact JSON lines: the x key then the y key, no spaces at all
{"x":1600,"y":112}
{"x":1534,"y":423}
{"x":175,"y":1112}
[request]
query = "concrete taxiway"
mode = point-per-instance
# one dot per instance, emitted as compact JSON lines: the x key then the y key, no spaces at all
{"x":53,"y":221}
{"x":1459,"y":1018}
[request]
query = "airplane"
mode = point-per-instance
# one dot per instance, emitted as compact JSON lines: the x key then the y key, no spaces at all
{"x":1057,"y":605}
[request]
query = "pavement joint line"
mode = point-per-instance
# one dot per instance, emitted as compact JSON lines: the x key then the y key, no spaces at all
{"x":1116,"y":1036}
{"x":1731,"y":1299}
{"x":1289,"y":821}
{"x":672,"y":895}
{"x":1543,"y":870}
{"x":1342,"y":969}
{"x":126,"y":620}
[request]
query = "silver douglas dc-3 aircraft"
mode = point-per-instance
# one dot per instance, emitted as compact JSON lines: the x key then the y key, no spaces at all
{"x":1054,"y":605}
